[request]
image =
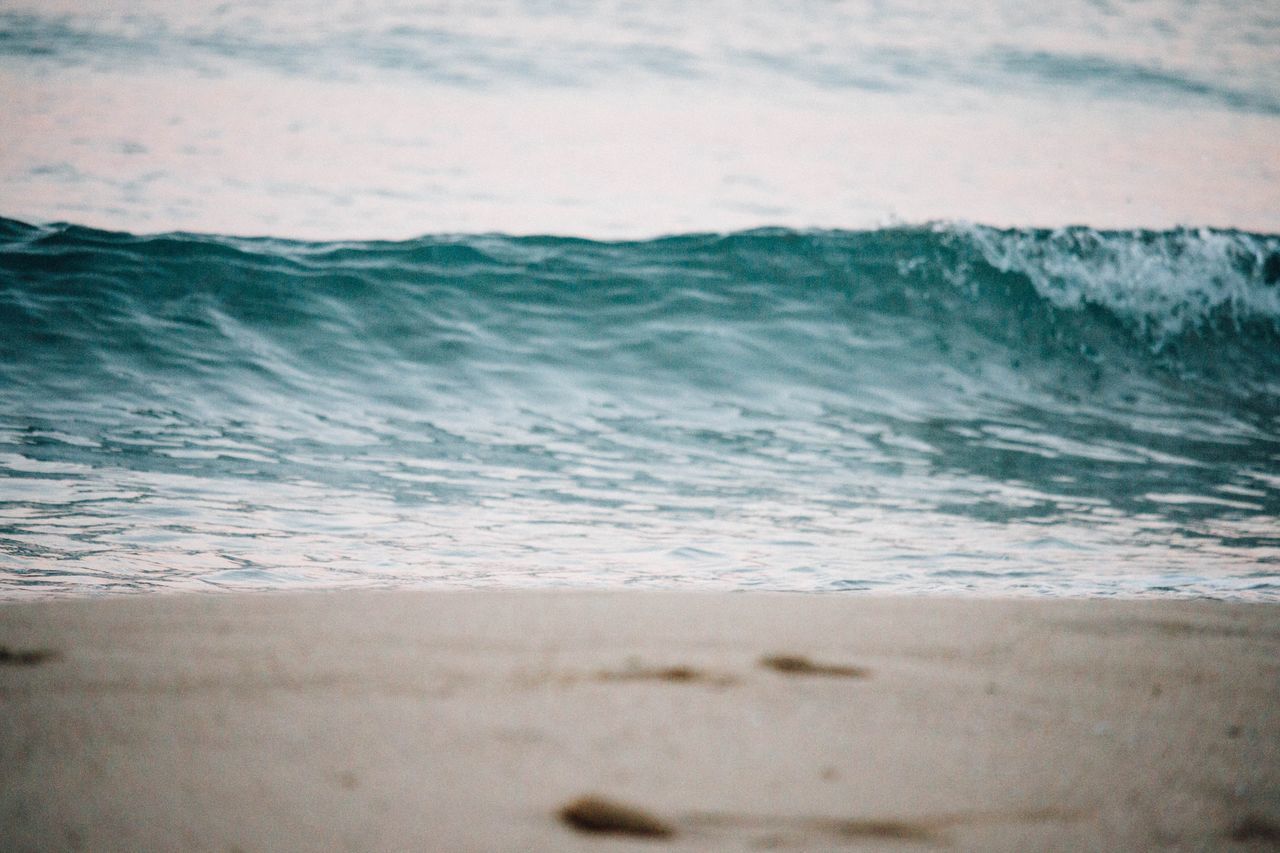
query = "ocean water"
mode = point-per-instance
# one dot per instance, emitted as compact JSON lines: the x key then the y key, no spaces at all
{"x":637,"y":295}
{"x":938,"y":408}
{"x":390,"y":119}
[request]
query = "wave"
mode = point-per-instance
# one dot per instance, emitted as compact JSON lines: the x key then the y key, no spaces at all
{"x":1196,"y":309}
{"x":849,"y":49}
{"x":1050,"y":395}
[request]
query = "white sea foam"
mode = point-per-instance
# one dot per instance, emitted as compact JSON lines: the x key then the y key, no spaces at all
{"x":1165,"y":283}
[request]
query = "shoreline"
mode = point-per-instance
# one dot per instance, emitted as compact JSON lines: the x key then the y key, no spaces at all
{"x":480,"y":720}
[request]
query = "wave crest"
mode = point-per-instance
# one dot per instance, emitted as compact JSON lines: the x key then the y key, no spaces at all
{"x":1165,"y":283}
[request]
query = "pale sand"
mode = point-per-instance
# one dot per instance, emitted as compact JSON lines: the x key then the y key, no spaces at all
{"x":468,"y":721}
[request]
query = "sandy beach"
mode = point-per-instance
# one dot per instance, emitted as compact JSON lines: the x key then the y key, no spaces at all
{"x":480,"y":721}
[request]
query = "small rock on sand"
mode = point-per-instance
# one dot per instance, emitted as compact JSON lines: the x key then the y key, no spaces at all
{"x":596,"y":814}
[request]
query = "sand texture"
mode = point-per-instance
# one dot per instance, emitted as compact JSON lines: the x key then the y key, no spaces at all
{"x":613,"y":721}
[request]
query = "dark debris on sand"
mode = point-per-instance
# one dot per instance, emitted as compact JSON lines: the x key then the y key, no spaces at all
{"x":798,"y":665}
{"x":25,"y":657}
{"x":674,"y":674}
{"x":598,"y":815}
{"x":1255,"y":827}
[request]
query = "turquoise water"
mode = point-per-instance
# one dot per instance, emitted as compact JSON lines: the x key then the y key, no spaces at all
{"x":761,"y":347}
{"x":942,"y":408}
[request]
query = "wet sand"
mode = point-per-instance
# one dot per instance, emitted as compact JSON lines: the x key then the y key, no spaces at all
{"x":647,"y":721}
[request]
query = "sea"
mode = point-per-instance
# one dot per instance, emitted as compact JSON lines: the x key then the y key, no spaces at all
{"x":866,"y":298}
